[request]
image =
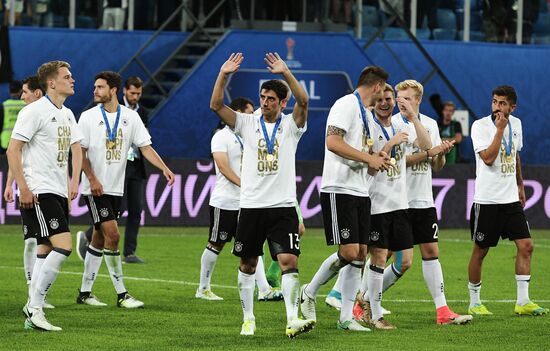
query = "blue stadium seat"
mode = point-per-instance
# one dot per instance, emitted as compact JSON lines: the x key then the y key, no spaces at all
{"x":446,"y":19}
{"x":541,"y":39}
{"x":370,"y":16}
{"x":84,"y":22}
{"x":444,"y":34}
{"x":368,"y":31}
{"x":474,"y":35}
{"x":393,"y":33}
{"x":542,"y":26}
{"x":423,"y":33}
{"x":476,"y":20}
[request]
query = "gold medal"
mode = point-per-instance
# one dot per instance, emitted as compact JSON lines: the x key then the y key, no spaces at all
{"x":270,"y":157}
{"x":393,"y":161}
{"x":370,"y":142}
{"x":509,"y":158}
{"x":110,"y":144}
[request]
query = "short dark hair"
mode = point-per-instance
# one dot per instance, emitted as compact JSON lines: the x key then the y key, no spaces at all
{"x":32,"y":83}
{"x":48,"y":71}
{"x":113,"y":79}
{"x":133,"y":80}
{"x":280,"y":88}
{"x":15,"y":87}
{"x":449,"y":103}
{"x":507,"y":91}
{"x":240,"y":103}
{"x":372,"y":75}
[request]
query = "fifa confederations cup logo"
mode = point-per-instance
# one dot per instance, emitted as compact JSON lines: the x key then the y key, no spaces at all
{"x":290,"y":43}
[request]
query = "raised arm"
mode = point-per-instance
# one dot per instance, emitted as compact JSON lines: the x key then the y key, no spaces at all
{"x":216,"y":101}
{"x":222,"y":161}
{"x":490,"y":154}
{"x":151,"y":155}
{"x":276,"y":65}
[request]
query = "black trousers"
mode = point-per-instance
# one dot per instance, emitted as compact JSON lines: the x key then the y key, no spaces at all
{"x":134,"y":202}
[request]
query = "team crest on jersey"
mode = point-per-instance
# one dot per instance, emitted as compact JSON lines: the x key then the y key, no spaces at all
{"x":104,"y":212}
{"x":515,"y":133}
{"x":54,"y":224}
{"x":480,"y":236}
{"x":223,"y":235}
{"x":374,"y":236}
{"x":238,"y":246}
{"x":344,"y":233}
{"x":125,"y":122}
{"x":25,"y":230}
{"x":279,"y":130}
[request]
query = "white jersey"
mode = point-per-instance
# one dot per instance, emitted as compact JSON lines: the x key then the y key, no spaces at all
{"x":496,"y":184}
{"x":340,"y":175}
{"x":48,"y":133}
{"x":109,"y":163}
{"x":226,"y":194}
{"x":419,"y":176}
{"x":389,"y":189}
{"x":268,"y":183}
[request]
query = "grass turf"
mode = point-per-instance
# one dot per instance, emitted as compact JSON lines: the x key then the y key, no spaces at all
{"x":173,"y":319}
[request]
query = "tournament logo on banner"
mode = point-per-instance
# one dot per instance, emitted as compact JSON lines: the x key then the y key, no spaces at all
{"x":5,"y":60}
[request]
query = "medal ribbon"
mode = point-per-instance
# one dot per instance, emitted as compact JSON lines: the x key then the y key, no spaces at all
{"x":239,"y":140}
{"x":406,"y":120}
{"x":110,"y":133}
{"x":386,"y":134}
{"x":508,"y":145}
{"x":270,"y":142}
{"x":363,"y":113}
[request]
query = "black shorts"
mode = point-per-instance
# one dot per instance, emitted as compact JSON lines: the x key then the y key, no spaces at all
{"x":489,"y":223}
{"x":103,"y":208}
{"x":48,"y":217}
{"x":424,"y":225}
{"x":346,"y":218}
{"x":223,"y":225}
{"x":279,"y":225}
{"x":392,"y":231}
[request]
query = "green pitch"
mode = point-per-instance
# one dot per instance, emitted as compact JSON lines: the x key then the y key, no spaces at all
{"x":173,"y":319}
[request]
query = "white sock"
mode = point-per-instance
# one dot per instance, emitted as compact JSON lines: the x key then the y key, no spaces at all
{"x":338,"y":284}
{"x":29,"y":258}
{"x":475,"y":289}
{"x":92,"y":262}
{"x":329,"y":268}
{"x":351,"y":279}
{"x":364,"y":280}
{"x":114,"y":265}
{"x":47,"y":275}
{"x":208,"y":262}
{"x":261,"y":279}
{"x":246,"y":292}
{"x":433,"y":276}
{"x":523,"y":289}
{"x":290,"y":283}
{"x":376,"y":280}
{"x":39,"y":262}
{"x":391,"y":275}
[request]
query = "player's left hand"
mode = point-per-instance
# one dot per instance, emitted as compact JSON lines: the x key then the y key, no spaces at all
{"x":522,"y":198}
{"x":169,"y":176}
{"x":301,"y":229}
{"x":275,"y":63}
{"x":73,"y":188}
{"x":8,"y":194}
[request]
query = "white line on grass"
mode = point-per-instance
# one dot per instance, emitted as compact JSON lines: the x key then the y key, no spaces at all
{"x":182,"y":282}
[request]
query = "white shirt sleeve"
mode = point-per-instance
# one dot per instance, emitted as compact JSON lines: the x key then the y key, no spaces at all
{"x":481,"y":139}
{"x":295,"y":129}
{"x":342,"y":114}
{"x":242,"y":122}
{"x":84,"y":130}
{"x":141,"y":136}
{"x":26,"y":125}
{"x":76,"y":134}
{"x":217,"y":144}
{"x":520,"y":136}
